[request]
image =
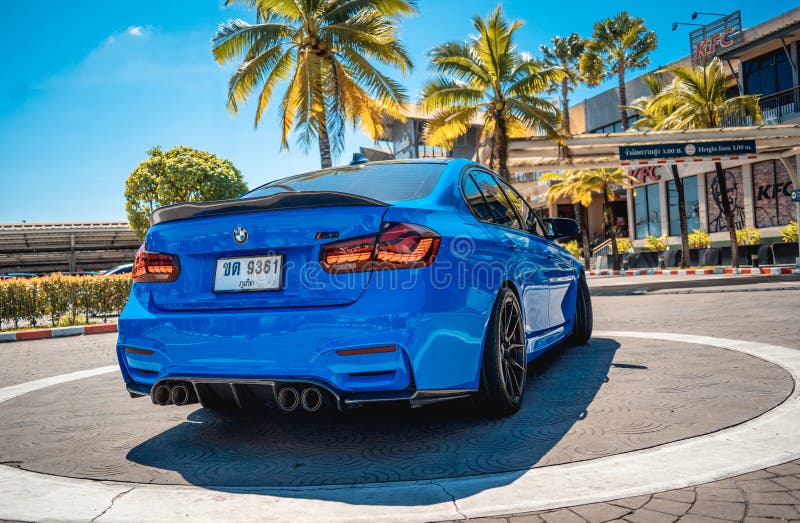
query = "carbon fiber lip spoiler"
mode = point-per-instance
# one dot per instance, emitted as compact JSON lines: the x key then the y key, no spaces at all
{"x":274,"y":202}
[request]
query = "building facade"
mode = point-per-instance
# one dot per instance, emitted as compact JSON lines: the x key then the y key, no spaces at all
{"x":760,"y":60}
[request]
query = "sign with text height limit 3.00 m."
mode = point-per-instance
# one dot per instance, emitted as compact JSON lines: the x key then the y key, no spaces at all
{"x":662,"y":153}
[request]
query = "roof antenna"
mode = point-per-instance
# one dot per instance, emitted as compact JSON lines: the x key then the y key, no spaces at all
{"x":358,"y":159}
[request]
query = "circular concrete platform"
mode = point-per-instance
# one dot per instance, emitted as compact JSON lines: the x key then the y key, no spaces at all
{"x":610,"y":397}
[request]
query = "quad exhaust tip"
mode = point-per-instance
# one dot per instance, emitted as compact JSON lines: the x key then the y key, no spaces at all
{"x":162,"y":395}
{"x":288,"y":399}
{"x":179,"y":394}
{"x":311,"y":399}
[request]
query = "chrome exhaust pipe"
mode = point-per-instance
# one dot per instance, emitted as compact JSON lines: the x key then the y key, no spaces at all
{"x":179,"y":395}
{"x":288,"y":399}
{"x":311,"y":399}
{"x":161,"y":395}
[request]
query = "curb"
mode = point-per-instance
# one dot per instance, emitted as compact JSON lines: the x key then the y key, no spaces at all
{"x":57,"y":332}
{"x":684,"y":272}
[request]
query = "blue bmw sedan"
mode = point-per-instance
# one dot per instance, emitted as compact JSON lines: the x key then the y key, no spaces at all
{"x":415,"y":281}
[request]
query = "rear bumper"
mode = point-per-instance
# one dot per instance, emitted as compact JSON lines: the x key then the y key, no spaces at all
{"x":437,"y":335}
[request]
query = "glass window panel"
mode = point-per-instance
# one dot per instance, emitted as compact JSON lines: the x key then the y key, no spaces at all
{"x":476,"y":201}
{"x":498,"y":203}
{"x":692,"y":206}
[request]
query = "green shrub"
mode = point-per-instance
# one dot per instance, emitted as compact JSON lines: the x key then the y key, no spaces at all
{"x":654,"y":243}
{"x":748,"y":236}
{"x":64,"y":299}
{"x":574,"y":249}
{"x":699,"y":239}
{"x":789,"y":232}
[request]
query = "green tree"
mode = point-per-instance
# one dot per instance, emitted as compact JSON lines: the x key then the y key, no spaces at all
{"x":582,"y":184}
{"x":651,"y":116}
{"x":325,"y":51}
{"x":565,"y":54}
{"x":618,"y":45}
{"x":696,"y":99}
{"x":487,"y":74}
{"x":181,"y":174}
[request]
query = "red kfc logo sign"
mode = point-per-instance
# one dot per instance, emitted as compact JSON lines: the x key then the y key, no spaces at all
{"x":709,"y":46}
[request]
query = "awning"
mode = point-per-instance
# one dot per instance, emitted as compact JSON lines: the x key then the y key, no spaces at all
{"x":594,"y":151}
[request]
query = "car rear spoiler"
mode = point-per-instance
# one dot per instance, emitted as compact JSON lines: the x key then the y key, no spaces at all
{"x":273,"y":202}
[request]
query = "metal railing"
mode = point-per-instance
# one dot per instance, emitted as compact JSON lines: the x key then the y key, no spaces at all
{"x":775,"y":108}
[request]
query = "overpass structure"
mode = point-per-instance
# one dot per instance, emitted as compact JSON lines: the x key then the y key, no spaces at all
{"x":43,"y":248}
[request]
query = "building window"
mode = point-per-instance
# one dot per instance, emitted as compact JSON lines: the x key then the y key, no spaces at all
{"x":692,"y":206}
{"x":768,"y":74}
{"x":772,"y":191}
{"x":647,"y":211}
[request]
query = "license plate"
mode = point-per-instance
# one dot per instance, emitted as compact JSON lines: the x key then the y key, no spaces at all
{"x":252,"y":273}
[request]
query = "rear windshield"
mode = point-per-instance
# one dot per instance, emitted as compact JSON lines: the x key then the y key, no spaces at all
{"x":383,"y":182}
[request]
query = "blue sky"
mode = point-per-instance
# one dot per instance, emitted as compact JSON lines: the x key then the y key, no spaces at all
{"x":89,"y":86}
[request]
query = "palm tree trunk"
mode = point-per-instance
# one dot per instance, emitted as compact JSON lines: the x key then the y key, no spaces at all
{"x":583,"y":219}
{"x":501,"y":143}
{"x":324,"y":143}
{"x":682,"y":215}
{"x":722,"y":183}
{"x":623,"y":99}
{"x":608,"y":223}
{"x":565,"y":104}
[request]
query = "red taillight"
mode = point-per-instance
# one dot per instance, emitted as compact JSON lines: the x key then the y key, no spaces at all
{"x":397,"y":246}
{"x":153,"y":267}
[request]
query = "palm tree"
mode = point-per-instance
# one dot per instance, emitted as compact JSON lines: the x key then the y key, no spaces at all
{"x":487,"y":74}
{"x":582,"y":184}
{"x":325,"y":52}
{"x":618,"y":45}
{"x":565,"y":54}
{"x":696,"y":99}
{"x":651,"y":116}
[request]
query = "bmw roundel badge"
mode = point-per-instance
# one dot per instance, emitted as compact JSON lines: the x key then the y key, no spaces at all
{"x":240,"y":234}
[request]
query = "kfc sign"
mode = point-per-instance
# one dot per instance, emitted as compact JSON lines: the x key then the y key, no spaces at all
{"x":714,"y":38}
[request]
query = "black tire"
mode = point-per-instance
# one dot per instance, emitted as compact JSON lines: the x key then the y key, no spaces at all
{"x":582,"y":330}
{"x":504,"y":367}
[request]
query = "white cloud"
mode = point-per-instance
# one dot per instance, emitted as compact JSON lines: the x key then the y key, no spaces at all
{"x":135,"y":30}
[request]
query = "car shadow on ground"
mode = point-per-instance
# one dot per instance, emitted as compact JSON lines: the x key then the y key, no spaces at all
{"x":270,"y":451}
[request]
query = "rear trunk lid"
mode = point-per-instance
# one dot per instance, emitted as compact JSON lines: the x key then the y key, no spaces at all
{"x":291,"y":227}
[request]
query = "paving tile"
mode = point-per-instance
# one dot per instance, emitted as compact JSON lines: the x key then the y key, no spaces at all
{"x":772,"y":511}
{"x":675,"y":508}
{"x":787,"y":469}
{"x":649,"y":516}
{"x":758,"y":474}
{"x":633,"y":503}
{"x":790,"y":482}
{"x":723,"y":483}
{"x":526,"y":518}
{"x":719,"y":509}
{"x":600,"y":512}
{"x":771,"y":498}
{"x":561,"y":516}
{"x":694,"y":518}
{"x":684,"y":495}
{"x":719,"y":494}
{"x":760,"y":485}
{"x":489,"y":520}
{"x":758,"y":520}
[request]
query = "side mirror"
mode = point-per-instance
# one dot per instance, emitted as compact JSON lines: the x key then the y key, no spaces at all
{"x":561,"y":228}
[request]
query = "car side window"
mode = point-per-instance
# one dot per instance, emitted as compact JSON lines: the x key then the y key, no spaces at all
{"x":498,"y":203}
{"x":476,"y":201}
{"x":526,"y":214}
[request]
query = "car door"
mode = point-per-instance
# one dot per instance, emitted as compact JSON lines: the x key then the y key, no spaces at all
{"x":524,"y":253}
{"x":563,"y":283}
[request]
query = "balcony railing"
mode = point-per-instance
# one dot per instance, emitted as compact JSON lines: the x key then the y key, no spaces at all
{"x":775,"y":108}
